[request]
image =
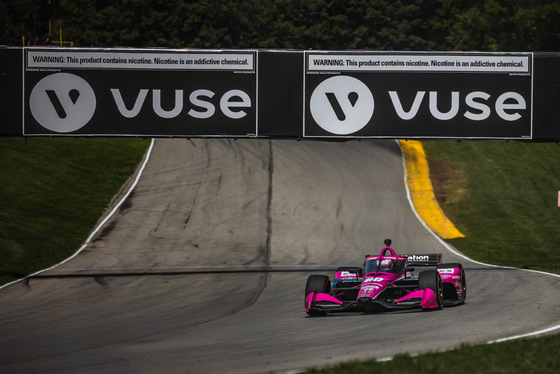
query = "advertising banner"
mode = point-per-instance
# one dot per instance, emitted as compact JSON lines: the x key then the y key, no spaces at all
{"x":418,"y":95}
{"x":99,"y":92}
{"x":321,"y":95}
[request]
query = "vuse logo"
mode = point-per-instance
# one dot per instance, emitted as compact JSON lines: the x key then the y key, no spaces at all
{"x":341,"y":105}
{"x":62,"y":102}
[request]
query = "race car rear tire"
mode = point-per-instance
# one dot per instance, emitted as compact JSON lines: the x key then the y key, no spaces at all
{"x":463,"y":277}
{"x":432,"y":280}
{"x":317,"y":284}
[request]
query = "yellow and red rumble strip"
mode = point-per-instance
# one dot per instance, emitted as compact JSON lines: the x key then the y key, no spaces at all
{"x":422,"y":193}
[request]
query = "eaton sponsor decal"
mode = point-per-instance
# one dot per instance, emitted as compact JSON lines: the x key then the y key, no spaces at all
{"x":417,"y":258}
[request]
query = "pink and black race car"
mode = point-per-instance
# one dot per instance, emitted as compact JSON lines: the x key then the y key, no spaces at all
{"x":387,"y":282}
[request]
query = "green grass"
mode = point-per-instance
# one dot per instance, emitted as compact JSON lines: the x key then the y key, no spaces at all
{"x":53,"y":191}
{"x":505,"y":200}
{"x":535,"y":355}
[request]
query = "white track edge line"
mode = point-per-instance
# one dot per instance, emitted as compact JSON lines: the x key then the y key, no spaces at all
{"x":96,"y":230}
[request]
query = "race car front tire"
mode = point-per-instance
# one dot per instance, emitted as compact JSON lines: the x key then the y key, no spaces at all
{"x":432,"y":280}
{"x":317,"y":284}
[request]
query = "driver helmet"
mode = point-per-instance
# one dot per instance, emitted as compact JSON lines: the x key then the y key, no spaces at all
{"x":387,"y":265}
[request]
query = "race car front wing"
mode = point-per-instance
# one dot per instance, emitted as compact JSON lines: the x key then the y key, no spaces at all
{"x":323,"y":302}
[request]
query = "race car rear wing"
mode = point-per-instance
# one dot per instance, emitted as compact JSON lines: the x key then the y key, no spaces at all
{"x":431,"y":259}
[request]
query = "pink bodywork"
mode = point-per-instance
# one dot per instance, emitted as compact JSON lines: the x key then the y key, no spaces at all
{"x":345,"y":274}
{"x":375,"y":283}
{"x":314,"y":297}
{"x":453,"y":276}
{"x":428,"y":297}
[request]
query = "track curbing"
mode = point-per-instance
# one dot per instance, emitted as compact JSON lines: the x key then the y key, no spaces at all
{"x":422,"y":193}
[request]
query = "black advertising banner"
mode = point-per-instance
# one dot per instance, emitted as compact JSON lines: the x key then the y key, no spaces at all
{"x":418,"y":95}
{"x":320,"y":95}
{"x":10,"y":91}
{"x":280,"y":94}
{"x":546,"y":104}
{"x":180,"y":93}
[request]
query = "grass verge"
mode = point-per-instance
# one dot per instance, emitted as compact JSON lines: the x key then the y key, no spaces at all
{"x":53,"y":191}
{"x":535,"y":355}
{"x":503,"y":197}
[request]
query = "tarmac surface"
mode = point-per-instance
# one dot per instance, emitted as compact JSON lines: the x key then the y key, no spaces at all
{"x":203,"y":269}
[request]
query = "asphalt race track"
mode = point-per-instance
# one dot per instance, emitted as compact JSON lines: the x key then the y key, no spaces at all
{"x":203,"y":268}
